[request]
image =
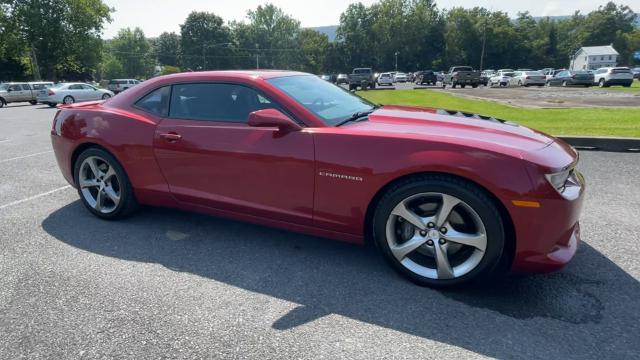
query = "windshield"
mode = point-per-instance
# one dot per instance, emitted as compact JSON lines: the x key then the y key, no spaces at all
{"x":331,"y":103}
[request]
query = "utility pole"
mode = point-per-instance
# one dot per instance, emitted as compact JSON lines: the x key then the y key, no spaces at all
{"x":484,"y":41}
{"x":204,"y":59}
{"x":257,"y":57}
{"x":396,"y":54}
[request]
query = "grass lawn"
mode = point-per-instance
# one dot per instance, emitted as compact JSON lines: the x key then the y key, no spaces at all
{"x":623,"y":122}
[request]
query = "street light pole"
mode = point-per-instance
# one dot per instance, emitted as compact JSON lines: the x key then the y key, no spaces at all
{"x":257,"y":57}
{"x":396,"y":54}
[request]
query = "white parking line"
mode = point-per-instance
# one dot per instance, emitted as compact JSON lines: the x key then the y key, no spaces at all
{"x":33,"y":197}
{"x":5,"y":140}
{"x":25,"y":156}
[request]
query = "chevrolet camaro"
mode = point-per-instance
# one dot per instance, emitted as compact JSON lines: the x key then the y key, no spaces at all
{"x":447,"y":197}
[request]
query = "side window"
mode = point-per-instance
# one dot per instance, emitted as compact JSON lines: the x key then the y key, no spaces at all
{"x":87,"y":87}
{"x":75,"y":87}
{"x":15,"y":88}
{"x":25,"y":87}
{"x":216,"y":102}
{"x":156,"y":102}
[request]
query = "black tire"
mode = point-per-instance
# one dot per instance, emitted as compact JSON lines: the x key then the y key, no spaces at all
{"x":463,"y":86}
{"x":2,"y":103}
{"x":128,"y":203}
{"x":52,"y":105}
{"x":68,"y":100}
{"x":105,"y":96}
{"x":601,"y":83}
{"x":474,"y":86}
{"x":352,"y":87}
{"x":33,"y":102}
{"x":466,"y":191}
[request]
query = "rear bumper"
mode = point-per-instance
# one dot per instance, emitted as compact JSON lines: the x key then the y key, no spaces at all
{"x":619,"y":81}
{"x":63,"y":149}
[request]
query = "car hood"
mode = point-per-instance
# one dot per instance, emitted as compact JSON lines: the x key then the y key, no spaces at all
{"x":453,"y":127}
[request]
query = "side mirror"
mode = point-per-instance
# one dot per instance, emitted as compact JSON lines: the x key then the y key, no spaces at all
{"x":273,"y":118}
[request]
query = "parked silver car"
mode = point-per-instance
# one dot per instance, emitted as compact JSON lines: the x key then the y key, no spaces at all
{"x":528,"y":78}
{"x":501,"y":78}
{"x":69,"y":93}
{"x":21,"y":92}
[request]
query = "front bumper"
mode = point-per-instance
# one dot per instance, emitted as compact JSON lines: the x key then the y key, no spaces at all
{"x":548,"y":236}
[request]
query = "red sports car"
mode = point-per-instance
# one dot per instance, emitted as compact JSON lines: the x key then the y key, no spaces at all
{"x":446,"y":196}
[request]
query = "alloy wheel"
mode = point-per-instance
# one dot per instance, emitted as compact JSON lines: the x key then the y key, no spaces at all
{"x":436,"y":235}
{"x":99,"y":184}
{"x":68,"y":100}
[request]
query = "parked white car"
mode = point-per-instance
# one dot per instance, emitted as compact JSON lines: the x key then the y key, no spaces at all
{"x":501,"y":78}
{"x":69,"y":93}
{"x":608,"y":76}
{"x":385,"y":79}
{"x":400,"y":77}
{"x":528,"y":78}
{"x":120,"y":85}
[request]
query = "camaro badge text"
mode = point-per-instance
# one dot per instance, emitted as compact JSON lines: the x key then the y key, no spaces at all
{"x":340,"y":176}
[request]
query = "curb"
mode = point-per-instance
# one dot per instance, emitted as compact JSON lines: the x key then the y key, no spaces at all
{"x":603,"y":143}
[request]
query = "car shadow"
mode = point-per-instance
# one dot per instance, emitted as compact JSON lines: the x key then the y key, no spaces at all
{"x":518,"y":314}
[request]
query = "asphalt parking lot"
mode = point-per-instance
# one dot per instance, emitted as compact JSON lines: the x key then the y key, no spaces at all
{"x":540,"y":97}
{"x":171,"y":284}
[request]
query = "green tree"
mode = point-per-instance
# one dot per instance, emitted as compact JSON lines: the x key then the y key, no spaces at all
{"x":132,"y":49}
{"x":63,"y":34}
{"x":313,"y":51}
{"x":168,"y":49}
{"x":205,"y":42}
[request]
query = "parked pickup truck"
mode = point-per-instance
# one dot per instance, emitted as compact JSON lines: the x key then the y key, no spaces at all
{"x":21,"y":92}
{"x":461,"y":75}
{"x":363,"y":77}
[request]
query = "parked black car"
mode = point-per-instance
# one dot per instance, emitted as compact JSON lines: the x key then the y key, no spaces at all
{"x":427,"y":77}
{"x":572,"y":77}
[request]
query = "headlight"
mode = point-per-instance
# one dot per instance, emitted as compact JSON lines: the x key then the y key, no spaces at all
{"x":567,"y":183}
{"x":558,"y":180}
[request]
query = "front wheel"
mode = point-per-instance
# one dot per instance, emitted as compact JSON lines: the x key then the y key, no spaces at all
{"x":103,"y":185}
{"x":2,"y":103}
{"x":439,"y":231}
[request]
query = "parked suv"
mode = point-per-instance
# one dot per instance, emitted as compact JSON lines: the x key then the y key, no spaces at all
{"x":608,"y":76}
{"x":120,"y":85}
{"x":426,"y":77}
{"x":21,"y":92}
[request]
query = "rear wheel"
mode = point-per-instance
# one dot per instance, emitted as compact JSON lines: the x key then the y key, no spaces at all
{"x":68,"y":100}
{"x":439,"y":231}
{"x":33,"y":102}
{"x":2,"y":103}
{"x":52,"y":104}
{"x":105,"y":96}
{"x":103,"y":185}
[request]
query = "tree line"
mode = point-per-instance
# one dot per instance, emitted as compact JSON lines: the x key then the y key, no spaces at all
{"x":61,"y":39}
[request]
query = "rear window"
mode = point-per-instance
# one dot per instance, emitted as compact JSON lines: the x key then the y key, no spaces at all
{"x":463,"y":68}
{"x":621,"y":71}
{"x":362,"y":71}
{"x":156,"y":102}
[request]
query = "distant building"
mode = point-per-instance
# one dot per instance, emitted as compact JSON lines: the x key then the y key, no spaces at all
{"x":594,"y":57}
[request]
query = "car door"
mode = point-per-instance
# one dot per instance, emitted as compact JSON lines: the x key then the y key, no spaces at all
{"x":89,"y":93}
{"x":210,"y":156}
{"x":14,"y":93}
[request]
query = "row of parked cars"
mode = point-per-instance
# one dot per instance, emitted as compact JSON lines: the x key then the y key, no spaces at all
{"x":603,"y":77}
{"x":48,"y":93}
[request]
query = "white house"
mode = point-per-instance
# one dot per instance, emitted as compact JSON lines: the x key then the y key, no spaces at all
{"x":594,"y":57}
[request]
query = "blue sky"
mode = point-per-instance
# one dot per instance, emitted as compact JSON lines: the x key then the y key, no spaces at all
{"x":155,"y":17}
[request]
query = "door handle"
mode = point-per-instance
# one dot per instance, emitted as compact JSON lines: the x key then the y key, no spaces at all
{"x":171,"y":137}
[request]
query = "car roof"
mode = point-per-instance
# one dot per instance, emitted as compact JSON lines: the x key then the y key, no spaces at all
{"x":238,"y":74}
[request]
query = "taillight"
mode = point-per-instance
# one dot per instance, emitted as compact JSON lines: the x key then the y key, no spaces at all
{"x":51,"y":93}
